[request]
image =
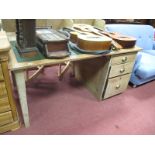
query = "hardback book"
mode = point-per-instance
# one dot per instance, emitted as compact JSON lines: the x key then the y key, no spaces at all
{"x":52,"y":43}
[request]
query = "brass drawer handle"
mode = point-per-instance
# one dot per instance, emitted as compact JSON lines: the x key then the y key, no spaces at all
{"x":122,"y":70}
{"x":124,"y":59}
{"x":117,"y":86}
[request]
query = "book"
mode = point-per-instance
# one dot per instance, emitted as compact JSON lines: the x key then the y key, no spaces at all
{"x":52,"y":43}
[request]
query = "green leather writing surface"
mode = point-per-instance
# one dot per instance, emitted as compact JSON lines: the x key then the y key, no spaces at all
{"x":39,"y":56}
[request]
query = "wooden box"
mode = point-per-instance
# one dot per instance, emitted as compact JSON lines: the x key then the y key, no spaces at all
{"x":52,"y":43}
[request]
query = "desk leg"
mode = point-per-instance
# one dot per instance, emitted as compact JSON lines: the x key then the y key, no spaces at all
{"x":93,"y":73}
{"x":20,"y":82}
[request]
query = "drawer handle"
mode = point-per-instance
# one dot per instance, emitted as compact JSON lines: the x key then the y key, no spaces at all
{"x":122,"y":70}
{"x":118,"y":86}
{"x":124,"y":59}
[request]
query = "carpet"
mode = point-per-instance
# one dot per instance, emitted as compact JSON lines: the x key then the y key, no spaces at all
{"x":67,"y":108}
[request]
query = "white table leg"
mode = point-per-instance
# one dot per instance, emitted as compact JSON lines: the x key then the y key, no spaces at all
{"x":20,"y":82}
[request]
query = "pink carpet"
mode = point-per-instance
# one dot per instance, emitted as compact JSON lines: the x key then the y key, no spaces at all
{"x":67,"y":107}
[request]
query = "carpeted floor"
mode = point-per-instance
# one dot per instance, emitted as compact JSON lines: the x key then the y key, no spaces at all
{"x":67,"y":107}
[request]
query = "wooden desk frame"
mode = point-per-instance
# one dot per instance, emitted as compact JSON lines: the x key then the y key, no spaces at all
{"x":18,"y":69}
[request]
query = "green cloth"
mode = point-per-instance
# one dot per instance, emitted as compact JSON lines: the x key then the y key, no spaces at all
{"x":39,"y":56}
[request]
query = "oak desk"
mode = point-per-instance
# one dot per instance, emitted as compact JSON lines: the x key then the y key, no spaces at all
{"x":92,"y":70}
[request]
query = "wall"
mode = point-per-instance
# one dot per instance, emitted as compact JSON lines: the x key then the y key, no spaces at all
{"x":9,"y":24}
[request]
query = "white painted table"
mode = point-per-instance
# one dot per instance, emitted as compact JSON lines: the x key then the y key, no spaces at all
{"x":19,"y":68}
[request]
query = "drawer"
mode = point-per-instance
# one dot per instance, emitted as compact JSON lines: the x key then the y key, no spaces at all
{"x":123,"y":58}
{"x":117,"y":70}
{"x":6,"y":118}
{"x":4,"y":104}
{"x":116,"y":85}
{"x":3,"y":91}
{"x":1,"y":74}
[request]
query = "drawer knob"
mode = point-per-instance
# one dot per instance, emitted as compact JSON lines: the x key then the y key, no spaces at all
{"x":117,"y":86}
{"x":124,"y":59}
{"x":122,"y":70}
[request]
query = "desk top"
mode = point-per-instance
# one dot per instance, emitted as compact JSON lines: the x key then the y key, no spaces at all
{"x":15,"y":65}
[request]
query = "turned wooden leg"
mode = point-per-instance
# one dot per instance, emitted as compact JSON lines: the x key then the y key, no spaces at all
{"x":134,"y":86}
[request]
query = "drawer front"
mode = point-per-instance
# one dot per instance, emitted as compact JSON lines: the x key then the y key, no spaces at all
{"x":3,"y":91}
{"x":124,"y":58}
{"x":6,"y":118}
{"x":1,"y":74}
{"x":117,"y":70}
{"x":116,"y":85}
{"x":4,"y":104}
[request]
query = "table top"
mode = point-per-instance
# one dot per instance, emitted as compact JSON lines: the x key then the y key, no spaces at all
{"x":15,"y":65}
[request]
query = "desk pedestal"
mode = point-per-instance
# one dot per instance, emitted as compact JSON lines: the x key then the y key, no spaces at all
{"x":106,"y":76}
